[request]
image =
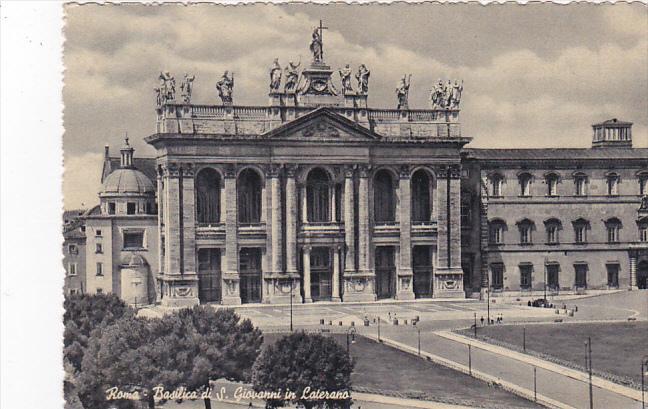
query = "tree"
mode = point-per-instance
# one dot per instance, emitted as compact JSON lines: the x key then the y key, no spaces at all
{"x":302,"y":362}
{"x":83,"y":314}
{"x":225,"y":346}
{"x":136,"y":355}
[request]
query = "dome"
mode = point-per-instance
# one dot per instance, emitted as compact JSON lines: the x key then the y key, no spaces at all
{"x":133,"y":261}
{"x":127,"y":180}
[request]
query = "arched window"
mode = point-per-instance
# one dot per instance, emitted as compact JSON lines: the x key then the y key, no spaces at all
{"x":421,"y":196}
{"x":552,"y":184}
{"x":496,"y":184}
{"x":384,"y":197}
{"x":496,"y":231}
{"x":318,"y":196}
{"x":580,"y":230}
{"x":613,"y":227}
{"x":208,"y":196}
{"x":642,"y":224}
{"x":612,"y":184}
{"x":525,"y":184}
{"x":525,"y":228}
{"x":249,"y":197}
{"x":553,"y":227}
{"x":580,"y":184}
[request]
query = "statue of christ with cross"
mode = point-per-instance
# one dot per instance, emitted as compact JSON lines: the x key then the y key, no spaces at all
{"x":317,"y":45}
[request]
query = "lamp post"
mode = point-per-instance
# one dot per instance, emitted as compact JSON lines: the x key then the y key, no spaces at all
{"x":535,"y":385}
{"x":291,"y":303}
{"x":350,"y":332}
{"x":469,"y":360}
{"x":418,"y":330}
{"x":644,"y":372}
{"x":488,"y":303}
{"x":588,"y":364}
{"x":524,"y":339}
{"x":475,"y":326}
{"x":379,"y":328}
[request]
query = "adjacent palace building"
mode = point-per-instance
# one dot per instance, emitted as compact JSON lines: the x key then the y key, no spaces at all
{"x":319,"y":197}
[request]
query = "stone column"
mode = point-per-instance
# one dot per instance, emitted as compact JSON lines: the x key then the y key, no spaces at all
{"x":333,"y":204}
{"x":180,"y":286}
{"x":405,"y":273}
{"x":448,"y":277}
{"x":307,"y":277}
{"x":231,"y":278}
{"x":335,"y":296}
{"x":304,"y":203}
{"x":277,"y":225}
{"x":359,"y":286}
{"x":349,"y":221}
{"x":633,"y":270}
{"x":291,"y":220}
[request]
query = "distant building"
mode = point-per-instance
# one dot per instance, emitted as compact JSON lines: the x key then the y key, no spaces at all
{"x":319,"y":197}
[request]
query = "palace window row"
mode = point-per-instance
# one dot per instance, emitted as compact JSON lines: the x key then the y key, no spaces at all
{"x":552,"y":274}
{"x":323,"y":197}
{"x":552,"y":179}
{"x":553,"y":227}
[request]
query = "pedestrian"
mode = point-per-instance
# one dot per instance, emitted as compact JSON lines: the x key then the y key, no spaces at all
{"x":482,"y":320}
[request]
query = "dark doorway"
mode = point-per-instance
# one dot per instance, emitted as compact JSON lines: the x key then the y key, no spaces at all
{"x":250,"y":271}
{"x":422,"y":266}
{"x":642,"y":275}
{"x":321,"y":274}
{"x":385,"y":272}
{"x":209,"y":275}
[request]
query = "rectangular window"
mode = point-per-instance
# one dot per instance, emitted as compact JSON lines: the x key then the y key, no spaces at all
{"x":552,"y":187}
{"x":643,"y":186}
{"x":580,"y":186}
{"x":98,"y":232}
{"x":496,"y":234}
{"x":99,"y":290}
{"x":612,"y":186}
{"x":552,"y":276}
{"x":497,"y":272}
{"x":525,"y":276}
{"x":643,"y":234}
{"x":111,"y":208}
{"x":98,"y":248}
{"x":72,"y":269}
{"x":613,"y":234}
{"x":99,"y":269}
{"x":612,"y":275}
{"x":580,"y":234}
{"x":580,"y":279}
{"x":131,"y":207}
{"x":525,"y":235}
{"x":497,"y":187}
{"x":73,"y":291}
{"x":133,"y":239}
{"x":552,"y":235}
{"x":72,"y":249}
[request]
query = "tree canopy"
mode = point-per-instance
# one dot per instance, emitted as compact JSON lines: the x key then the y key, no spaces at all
{"x":304,"y":363}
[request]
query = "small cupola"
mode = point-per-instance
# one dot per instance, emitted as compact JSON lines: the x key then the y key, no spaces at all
{"x":612,"y":133}
{"x":126,"y":154}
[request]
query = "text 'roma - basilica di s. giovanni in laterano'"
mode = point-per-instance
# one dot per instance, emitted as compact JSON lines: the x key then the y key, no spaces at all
{"x":318,"y":197}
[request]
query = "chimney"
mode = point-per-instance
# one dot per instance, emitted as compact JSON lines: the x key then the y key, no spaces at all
{"x":106,"y":151}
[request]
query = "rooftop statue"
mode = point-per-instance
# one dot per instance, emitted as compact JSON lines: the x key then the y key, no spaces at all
{"x":457,"y":90}
{"x":436,"y":96}
{"x":345,"y":76}
{"x":445,"y":96}
{"x":186,"y":88}
{"x":275,"y":76}
{"x":363,"y":79}
{"x":292,"y":76}
{"x":402,"y":91}
{"x":166,"y":90}
{"x":316,"y":46}
{"x":225,"y":87}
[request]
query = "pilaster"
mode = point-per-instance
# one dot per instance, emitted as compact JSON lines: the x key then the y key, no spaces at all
{"x":231,"y":277}
{"x":633,"y":270}
{"x":307,"y":273}
{"x":448,"y":276}
{"x":405,"y":290}
{"x":335,"y":296}
{"x":349,"y":221}
{"x":291,"y":220}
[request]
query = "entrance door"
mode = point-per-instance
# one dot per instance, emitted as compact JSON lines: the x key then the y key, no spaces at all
{"x":209,"y":275}
{"x":385,"y":272}
{"x":250,"y":271}
{"x":422,"y":266}
{"x":642,"y":275}
{"x":321,"y":274}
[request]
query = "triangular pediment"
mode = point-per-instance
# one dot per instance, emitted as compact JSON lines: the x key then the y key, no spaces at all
{"x":319,"y":125}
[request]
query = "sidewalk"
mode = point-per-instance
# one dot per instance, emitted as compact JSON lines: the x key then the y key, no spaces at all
{"x":554,"y":389}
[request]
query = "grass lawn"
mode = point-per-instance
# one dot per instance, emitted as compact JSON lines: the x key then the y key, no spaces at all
{"x":616,"y":348}
{"x":380,"y":367}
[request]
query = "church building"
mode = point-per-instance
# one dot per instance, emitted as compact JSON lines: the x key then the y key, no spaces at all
{"x":319,"y":197}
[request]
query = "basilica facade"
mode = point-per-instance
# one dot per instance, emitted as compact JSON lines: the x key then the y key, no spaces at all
{"x":318,"y":197}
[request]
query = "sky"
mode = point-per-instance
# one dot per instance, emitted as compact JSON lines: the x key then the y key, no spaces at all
{"x":535,"y":75}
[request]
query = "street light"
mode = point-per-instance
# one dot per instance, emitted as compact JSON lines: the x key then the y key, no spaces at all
{"x":475,"y":326}
{"x":644,"y":372}
{"x":418,"y":330}
{"x":291,"y":303}
{"x":588,"y":364}
{"x":379,"y":328}
{"x":351,"y":331}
